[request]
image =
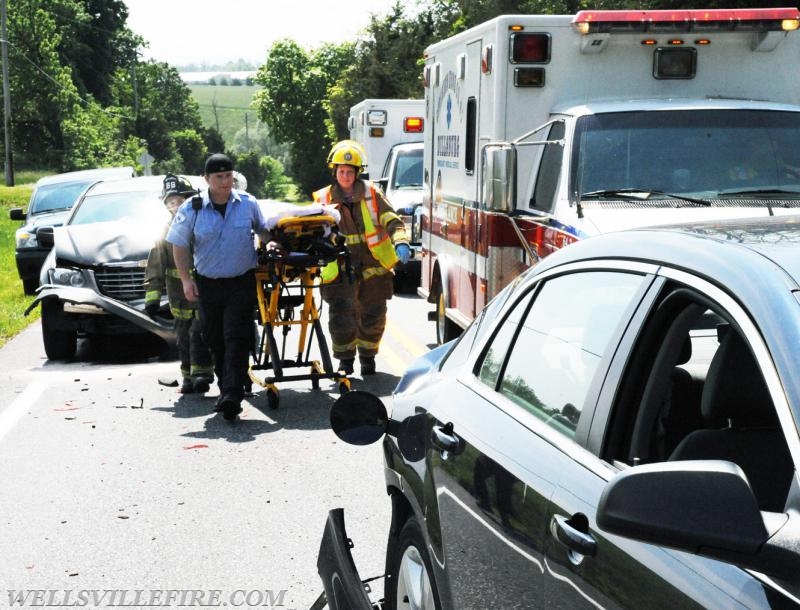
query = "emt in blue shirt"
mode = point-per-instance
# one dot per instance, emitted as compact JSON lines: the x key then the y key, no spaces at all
{"x":213,"y":232}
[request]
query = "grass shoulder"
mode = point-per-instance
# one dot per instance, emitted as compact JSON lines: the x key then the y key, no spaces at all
{"x":13,"y":300}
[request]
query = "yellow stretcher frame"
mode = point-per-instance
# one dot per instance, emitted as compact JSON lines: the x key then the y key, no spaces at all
{"x":285,"y":282}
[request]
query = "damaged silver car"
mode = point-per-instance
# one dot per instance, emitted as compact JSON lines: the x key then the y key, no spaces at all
{"x":92,"y":282}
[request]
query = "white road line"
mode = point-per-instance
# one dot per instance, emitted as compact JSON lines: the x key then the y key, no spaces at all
{"x":19,"y":407}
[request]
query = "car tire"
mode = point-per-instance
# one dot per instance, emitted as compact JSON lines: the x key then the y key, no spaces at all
{"x":446,"y":329}
{"x":410,"y":583}
{"x":59,"y":344}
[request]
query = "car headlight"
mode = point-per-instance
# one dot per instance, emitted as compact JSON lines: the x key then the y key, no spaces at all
{"x":26,"y":239}
{"x":68,"y":277}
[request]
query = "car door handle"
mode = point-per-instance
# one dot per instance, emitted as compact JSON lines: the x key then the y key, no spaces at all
{"x":442,"y":438}
{"x":571,"y":537}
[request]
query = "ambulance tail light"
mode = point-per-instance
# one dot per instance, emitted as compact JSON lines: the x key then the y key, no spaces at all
{"x":530,"y":48}
{"x":699,"y":20}
{"x":413,"y":124}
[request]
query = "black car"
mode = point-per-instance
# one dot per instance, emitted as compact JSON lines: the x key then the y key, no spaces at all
{"x":617,"y":428}
{"x":92,"y":282}
{"x":50,"y":203}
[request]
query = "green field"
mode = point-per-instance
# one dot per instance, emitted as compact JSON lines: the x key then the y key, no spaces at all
{"x":225,"y":107}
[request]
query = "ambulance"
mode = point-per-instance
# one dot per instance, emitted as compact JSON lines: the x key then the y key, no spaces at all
{"x":379,"y":124}
{"x":542,"y":130}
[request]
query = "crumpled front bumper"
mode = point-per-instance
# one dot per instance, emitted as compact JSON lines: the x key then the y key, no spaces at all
{"x":344,"y":589}
{"x":84,"y":296}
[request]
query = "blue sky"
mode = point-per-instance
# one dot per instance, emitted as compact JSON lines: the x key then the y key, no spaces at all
{"x":183,"y":32}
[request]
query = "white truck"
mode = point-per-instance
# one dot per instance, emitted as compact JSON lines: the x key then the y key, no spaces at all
{"x":542,"y":130}
{"x":390,"y":132}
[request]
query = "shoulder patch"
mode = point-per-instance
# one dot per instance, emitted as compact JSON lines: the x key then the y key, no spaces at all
{"x":180,"y":217}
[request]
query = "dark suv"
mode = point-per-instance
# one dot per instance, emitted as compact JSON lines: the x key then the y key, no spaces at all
{"x":50,"y":203}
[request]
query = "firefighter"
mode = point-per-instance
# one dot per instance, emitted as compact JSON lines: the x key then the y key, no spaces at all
{"x":196,"y":364}
{"x":377,"y":240}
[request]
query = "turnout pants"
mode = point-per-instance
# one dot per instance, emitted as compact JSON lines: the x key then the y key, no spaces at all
{"x":227,"y":309}
{"x":357,"y":314}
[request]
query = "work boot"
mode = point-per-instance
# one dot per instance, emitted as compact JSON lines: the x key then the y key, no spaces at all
{"x":187,"y":387}
{"x":367,"y":365}
{"x":346,"y":365}
{"x":230,"y":406}
{"x":202,"y":384}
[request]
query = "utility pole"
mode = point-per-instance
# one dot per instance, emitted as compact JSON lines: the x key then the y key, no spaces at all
{"x":6,"y":97}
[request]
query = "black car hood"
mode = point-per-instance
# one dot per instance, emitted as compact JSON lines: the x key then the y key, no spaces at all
{"x":105,"y":242}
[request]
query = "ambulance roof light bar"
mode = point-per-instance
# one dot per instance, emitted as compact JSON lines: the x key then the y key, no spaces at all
{"x":693,"y":20}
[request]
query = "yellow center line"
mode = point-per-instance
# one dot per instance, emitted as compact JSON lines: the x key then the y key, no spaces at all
{"x":412,"y":347}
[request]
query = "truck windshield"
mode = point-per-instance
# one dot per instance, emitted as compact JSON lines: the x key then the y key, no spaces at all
{"x":705,"y":154}
{"x":409,"y":169}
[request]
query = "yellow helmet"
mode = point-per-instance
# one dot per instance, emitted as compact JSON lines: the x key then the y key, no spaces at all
{"x":347,"y":152}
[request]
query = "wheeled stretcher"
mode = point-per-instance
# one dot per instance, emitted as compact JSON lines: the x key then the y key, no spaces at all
{"x":286,"y":282}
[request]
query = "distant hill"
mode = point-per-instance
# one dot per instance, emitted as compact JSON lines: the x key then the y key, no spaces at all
{"x":226,"y":108}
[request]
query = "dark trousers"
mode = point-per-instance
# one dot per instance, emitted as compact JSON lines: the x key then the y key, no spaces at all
{"x":192,"y":350}
{"x":227,"y":308}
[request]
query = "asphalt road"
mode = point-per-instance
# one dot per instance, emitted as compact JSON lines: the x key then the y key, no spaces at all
{"x":112,"y":482}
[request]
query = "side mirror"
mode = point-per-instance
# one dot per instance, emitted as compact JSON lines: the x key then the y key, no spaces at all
{"x":383,"y":183}
{"x":16,"y":214}
{"x":498,"y":176}
{"x":704,"y":507}
{"x":360,"y":418}
{"x":45,"y":237}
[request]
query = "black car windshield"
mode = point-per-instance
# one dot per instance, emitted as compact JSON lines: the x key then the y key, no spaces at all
{"x":52,"y":197}
{"x":134,"y":206}
{"x":708,"y":154}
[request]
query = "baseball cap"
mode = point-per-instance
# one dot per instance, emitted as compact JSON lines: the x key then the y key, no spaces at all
{"x":218,"y":163}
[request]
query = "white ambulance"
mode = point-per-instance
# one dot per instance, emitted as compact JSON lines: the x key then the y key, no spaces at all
{"x":379,"y":124}
{"x":542,"y":130}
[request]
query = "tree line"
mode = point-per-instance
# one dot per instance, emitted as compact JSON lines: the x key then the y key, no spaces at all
{"x":82,"y":96}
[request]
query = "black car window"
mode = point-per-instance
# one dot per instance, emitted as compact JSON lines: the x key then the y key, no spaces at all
{"x":694,"y":391}
{"x":557,"y":344}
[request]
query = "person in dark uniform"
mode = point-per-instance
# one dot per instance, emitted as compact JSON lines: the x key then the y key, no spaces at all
{"x":214,"y":233}
{"x":160,"y":276}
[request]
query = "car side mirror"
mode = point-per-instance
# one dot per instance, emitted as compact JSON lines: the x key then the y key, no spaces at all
{"x":45,"y":237}
{"x":360,"y":418}
{"x":704,"y":507}
{"x":383,"y":183}
{"x":16,"y":214}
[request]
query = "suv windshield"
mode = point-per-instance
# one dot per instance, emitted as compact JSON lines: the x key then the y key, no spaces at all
{"x":59,"y":196}
{"x":707,"y":153}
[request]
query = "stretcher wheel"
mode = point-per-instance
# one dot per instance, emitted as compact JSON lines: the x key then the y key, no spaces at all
{"x":344,"y":386}
{"x":273,"y":398}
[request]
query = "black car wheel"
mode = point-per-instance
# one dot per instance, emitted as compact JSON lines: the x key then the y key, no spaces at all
{"x":410,"y":584}
{"x":59,"y":344}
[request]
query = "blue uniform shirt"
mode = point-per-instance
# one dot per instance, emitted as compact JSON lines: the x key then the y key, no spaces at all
{"x":222,"y":246}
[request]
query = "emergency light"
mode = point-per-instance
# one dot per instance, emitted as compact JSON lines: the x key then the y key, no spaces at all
{"x":694,"y":20}
{"x":413,"y":124}
{"x":531,"y":48}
